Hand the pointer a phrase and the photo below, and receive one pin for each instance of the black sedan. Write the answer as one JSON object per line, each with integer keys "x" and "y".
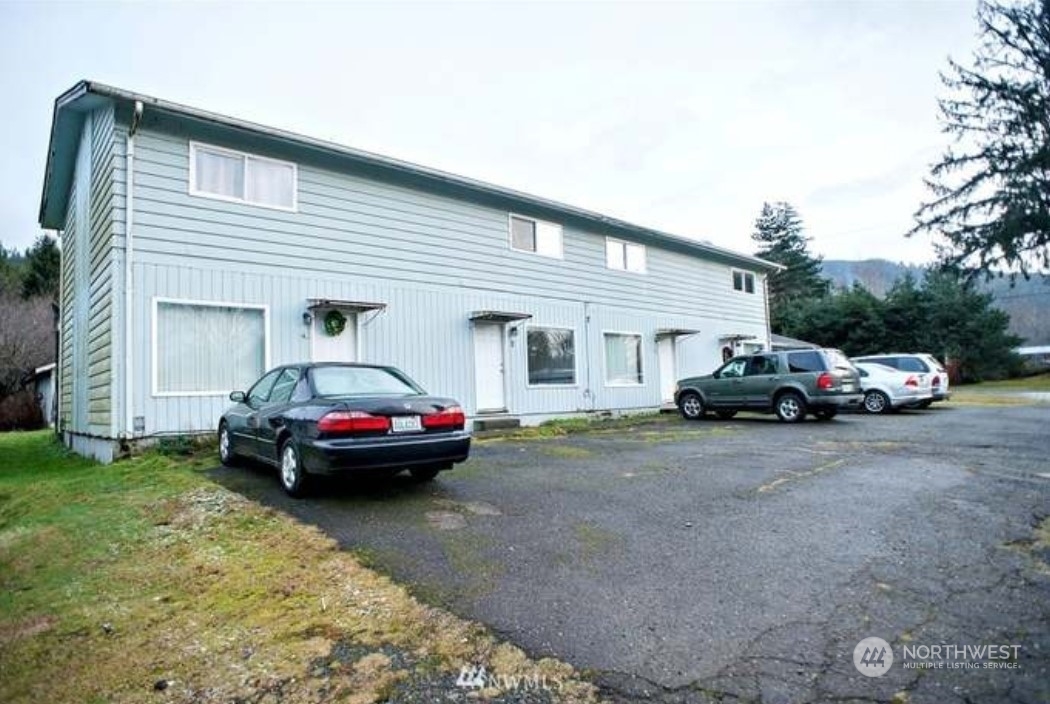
{"x": 308, "y": 419}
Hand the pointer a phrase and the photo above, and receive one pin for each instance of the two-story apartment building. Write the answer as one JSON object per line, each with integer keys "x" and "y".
{"x": 199, "y": 250}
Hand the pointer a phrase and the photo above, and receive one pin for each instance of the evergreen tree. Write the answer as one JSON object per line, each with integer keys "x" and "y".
{"x": 990, "y": 188}
{"x": 10, "y": 270}
{"x": 780, "y": 238}
{"x": 42, "y": 266}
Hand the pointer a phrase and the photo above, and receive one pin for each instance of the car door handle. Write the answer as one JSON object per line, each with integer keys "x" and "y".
{"x": 774, "y": 378}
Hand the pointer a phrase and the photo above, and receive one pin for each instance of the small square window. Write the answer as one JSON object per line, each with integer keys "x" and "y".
{"x": 743, "y": 281}
{"x": 535, "y": 236}
{"x": 624, "y": 256}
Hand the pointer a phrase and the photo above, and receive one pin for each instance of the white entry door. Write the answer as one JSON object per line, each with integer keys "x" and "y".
{"x": 665, "y": 352}
{"x": 488, "y": 367}
{"x": 333, "y": 348}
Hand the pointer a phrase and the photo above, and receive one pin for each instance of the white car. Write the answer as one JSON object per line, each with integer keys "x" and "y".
{"x": 917, "y": 363}
{"x": 887, "y": 389}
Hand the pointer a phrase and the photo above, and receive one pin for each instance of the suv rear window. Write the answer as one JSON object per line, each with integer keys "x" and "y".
{"x": 808, "y": 361}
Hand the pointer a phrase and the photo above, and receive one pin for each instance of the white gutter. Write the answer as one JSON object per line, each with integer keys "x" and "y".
{"x": 129, "y": 220}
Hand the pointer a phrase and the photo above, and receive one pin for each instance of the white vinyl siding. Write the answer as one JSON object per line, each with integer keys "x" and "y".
{"x": 207, "y": 349}
{"x": 235, "y": 176}
{"x": 551, "y": 356}
{"x": 623, "y": 359}
{"x": 536, "y": 236}
{"x": 625, "y": 256}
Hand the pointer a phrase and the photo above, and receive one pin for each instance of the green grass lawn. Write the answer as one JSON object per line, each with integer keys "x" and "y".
{"x": 116, "y": 578}
{"x": 1008, "y": 392}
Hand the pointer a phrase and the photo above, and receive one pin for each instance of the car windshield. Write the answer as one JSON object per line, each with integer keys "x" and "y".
{"x": 361, "y": 381}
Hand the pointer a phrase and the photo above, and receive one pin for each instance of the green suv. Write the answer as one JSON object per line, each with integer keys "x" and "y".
{"x": 790, "y": 384}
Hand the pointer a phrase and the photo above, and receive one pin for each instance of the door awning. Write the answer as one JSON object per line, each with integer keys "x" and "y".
{"x": 497, "y": 316}
{"x": 359, "y": 306}
{"x": 675, "y": 332}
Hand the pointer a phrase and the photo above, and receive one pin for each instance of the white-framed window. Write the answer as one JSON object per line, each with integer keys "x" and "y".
{"x": 205, "y": 348}
{"x": 743, "y": 281}
{"x": 225, "y": 174}
{"x": 536, "y": 236}
{"x": 625, "y": 256}
{"x": 551, "y": 353}
{"x": 623, "y": 359}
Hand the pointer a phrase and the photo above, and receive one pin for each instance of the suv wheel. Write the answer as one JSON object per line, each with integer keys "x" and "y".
{"x": 691, "y": 406}
{"x": 790, "y": 407}
{"x": 876, "y": 402}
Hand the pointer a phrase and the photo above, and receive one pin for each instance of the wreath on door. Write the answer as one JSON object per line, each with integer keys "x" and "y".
{"x": 334, "y": 323}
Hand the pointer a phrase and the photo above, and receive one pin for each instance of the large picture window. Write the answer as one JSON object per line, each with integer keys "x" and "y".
{"x": 623, "y": 359}
{"x": 230, "y": 175}
{"x": 202, "y": 349}
{"x": 552, "y": 356}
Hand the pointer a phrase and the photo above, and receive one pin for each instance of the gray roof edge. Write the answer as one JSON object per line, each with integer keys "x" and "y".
{"x": 416, "y": 170}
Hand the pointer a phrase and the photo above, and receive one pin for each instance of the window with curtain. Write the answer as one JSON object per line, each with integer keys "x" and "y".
{"x": 551, "y": 356}
{"x": 230, "y": 175}
{"x": 204, "y": 349}
{"x": 623, "y": 358}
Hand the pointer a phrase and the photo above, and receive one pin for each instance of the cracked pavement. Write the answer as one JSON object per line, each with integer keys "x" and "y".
{"x": 733, "y": 560}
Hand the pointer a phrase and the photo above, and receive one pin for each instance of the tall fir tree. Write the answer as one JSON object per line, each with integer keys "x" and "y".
{"x": 42, "y": 265}
{"x": 780, "y": 237}
{"x": 989, "y": 189}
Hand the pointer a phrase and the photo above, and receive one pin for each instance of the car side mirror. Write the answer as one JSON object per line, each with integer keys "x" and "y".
{"x": 237, "y": 396}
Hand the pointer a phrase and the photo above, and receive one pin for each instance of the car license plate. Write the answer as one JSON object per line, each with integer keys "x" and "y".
{"x": 405, "y": 424}
{"x": 847, "y": 386}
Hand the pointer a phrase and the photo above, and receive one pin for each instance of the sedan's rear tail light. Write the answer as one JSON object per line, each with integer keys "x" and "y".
{"x": 825, "y": 381}
{"x": 452, "y": 417}
{"x": 911, "y": 381}
{"x": 346, "y": 422}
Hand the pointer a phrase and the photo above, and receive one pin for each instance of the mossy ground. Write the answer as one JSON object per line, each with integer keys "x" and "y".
{"x": 117, "y": 581}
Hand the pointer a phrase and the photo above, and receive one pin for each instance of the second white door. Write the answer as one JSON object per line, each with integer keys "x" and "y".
{"x": 665, "y": 352}
{"x": 488, "y": 367}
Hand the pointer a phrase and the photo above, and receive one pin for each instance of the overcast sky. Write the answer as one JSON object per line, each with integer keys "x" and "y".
{"x": 684, "y": 117}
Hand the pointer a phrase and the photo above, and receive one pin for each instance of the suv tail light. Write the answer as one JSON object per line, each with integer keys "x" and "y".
{"x": 451, "y": 418}
{"x": 912, "y": 381}
{"x": 349, "y": 422}
{"x": 825, "y": 381}
{"x": 936, "y": 380}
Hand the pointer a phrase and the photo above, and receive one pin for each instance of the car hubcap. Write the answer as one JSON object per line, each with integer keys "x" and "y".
{"x": 692, "y": 406}
{"x": 789, "y": 408}
{"x": 289, "y": 467}
{"x": 224, "y": 444}
{"x": 875, "y": 403}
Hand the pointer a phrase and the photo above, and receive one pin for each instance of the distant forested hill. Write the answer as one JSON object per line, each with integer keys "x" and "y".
{"x": 1027, "y": 302}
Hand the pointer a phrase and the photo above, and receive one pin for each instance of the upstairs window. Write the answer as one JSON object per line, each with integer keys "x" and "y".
{"x": 536, "y": 236}
{"x": 743, "y": 281}
{"x": 244, "y": 178}
{"x": 625, "y": 256}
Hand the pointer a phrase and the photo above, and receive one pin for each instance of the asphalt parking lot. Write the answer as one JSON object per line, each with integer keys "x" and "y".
{"x": 740, "y": 559}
